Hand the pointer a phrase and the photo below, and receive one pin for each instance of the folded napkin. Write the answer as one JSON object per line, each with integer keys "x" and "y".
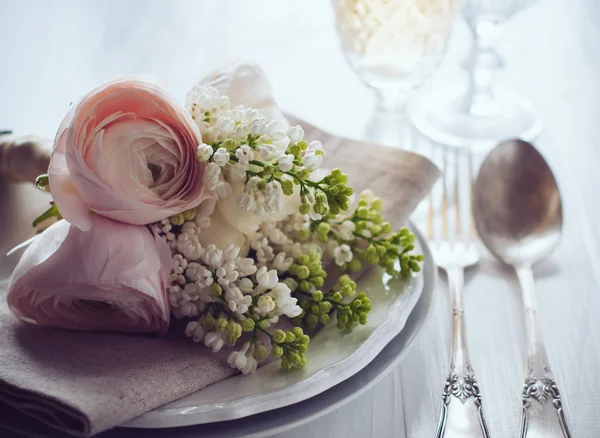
{"x": 56, "y": 382}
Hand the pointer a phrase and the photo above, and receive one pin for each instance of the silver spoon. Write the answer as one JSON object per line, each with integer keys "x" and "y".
{"x": 518, "y": 215}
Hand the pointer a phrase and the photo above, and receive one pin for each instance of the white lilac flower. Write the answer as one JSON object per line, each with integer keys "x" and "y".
{"x": 212, "y": 255}
{"x": 245, "y": 266}
{"x": 221, "y": 157}
{"x": 286, "y": 304}
{"x": 179, "y": 264}
{"x": 204, "y": 152}
{"x": 246, "y": 285}
{"x": 265, "y": 278}
{"x": 246, "y": 202}
{"x": 237, "y": 172}
{"x": 244, "y": 154}
{"x": 315, "y": 146}
{"x": 189, "y": 246}
{"x": 231, "y": 252}
{"x": 267, "y": 151}
{"x": 346, "y": 230}
{"x": 225, "y": 125}
{"x": 223, "y": 190}
{"x": 312, "y": 161}
{"x": 195, "y": 331}
{"x": 295, "y": 133}
{"x": 214, "y": 341}
{"x": 212, "y": 175}
{"x": 241, "y": 131}
{"x": 227, "y": 273}
{"x": 286, "y": 162}
{"x": 236, "y": 301}
{"x": 258, "y": 126}
{"x": 342, "y": 254}
{"x": 281, "y": 263}
{"x": 243, "y": 359}
{"x": 265, "y": 305}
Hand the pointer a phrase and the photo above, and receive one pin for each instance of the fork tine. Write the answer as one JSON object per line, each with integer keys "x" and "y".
{"x": 445, "y": 195}
{"x": 458, "y": 225}
{"x": 472, "y": 229}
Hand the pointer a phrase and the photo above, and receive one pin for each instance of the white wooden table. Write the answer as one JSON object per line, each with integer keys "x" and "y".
{"x": 53, "y": 52}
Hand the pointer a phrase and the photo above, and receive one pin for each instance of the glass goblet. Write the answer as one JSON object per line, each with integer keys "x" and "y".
{"x": 480, "y": 114}
{"x": 393, "y": 45}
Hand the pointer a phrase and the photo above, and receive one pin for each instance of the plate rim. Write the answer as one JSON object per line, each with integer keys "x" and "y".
{"x": 241, "y": 412}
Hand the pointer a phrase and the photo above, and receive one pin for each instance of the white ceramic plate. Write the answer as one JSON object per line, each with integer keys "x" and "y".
{"x": 332, "y": 358}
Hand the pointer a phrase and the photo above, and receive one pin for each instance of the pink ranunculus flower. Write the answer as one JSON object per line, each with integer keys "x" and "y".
{"x": 111, "y": 278}
{"x": 126, "y": 151}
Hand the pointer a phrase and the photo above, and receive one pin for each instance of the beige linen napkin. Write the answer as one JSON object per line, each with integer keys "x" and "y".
{"x": 56, "y": 382}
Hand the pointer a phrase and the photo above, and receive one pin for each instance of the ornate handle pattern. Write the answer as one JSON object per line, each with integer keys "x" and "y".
{"x": 460, "y": 383}
{"x": 540, "y": 387}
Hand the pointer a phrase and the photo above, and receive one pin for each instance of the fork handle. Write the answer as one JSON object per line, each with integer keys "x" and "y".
{"x": 462, "y": 412}
{"x": 541, "y": 398}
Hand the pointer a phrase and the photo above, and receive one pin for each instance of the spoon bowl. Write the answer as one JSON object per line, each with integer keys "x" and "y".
{"x": 517, "y": 204}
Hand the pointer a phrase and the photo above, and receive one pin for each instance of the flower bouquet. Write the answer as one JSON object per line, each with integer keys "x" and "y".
{"x": 220, "y": 220}
{"x": 217, "y": 212}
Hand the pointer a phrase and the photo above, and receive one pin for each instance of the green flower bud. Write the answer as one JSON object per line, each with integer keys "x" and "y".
{"x": 312, "y": 320}
{"x": 304, "y": 208}
{"x": 303, "y": 272}
{"x": 221, "y": 324}
{"x": 304, "y": 259}
{"x": 261, "y": 184}
{"x": 347, "y": 290}
{"x": 355, "y": 265}
{"x": 324, "y": 319}
{"x": 377, "y": 204}
{"x": 228, "y": 144}
{"x": 294, "y": 150}
{"x": 262, "y": 324}
{"x": 314, "y": 267}
{"x": 373, "y": 259}
{"x": 348, "y": 191}
{"x": 276, "y": 351}
{"x": 287, "y": 186}
{"x": 314, "y": 309}
{"x": 304, "y": 285}
{"x": 260, "y": 352}
{"x": 304, "y": 234}
{"x": 248, "y": 325}
{"x": 386, "y": 227}
{"x": 317, "y": 295}
{"x": 278, "y": 336}
{"x": 289, "y": 338}
{"x": 381, "y": 250}
{"x": 362, "y": 212}
{"x": 177, "y": 219}
{"x": 302, "y": 173}
{"x": 298, "y": 332}
{"x": 324, "y": 228}
{"x": 216, "y": 289}
{"x": 324, "y": 307}
{"x": 208, "y": 321}
{"x": 189, "y": 215}
{"x": 337, "y": 297}
{"x": 303, "y": 144}
{"x": 318, "y": 281}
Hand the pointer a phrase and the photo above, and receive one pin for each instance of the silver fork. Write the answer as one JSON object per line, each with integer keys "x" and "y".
{"x": 454, "y": 251}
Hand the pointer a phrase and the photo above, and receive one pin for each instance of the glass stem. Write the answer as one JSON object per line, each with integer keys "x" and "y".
{"x": 482, "y": 65}
{"x": 389, "y": 124}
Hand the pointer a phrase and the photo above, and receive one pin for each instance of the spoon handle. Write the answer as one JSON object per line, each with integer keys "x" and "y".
{"x": 464, "y": 416}
{"x": 540, "y": 387}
